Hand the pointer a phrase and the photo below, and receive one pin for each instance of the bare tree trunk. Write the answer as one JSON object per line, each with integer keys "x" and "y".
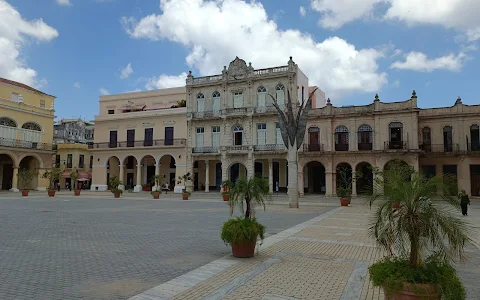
{"x": 247, "y": 212}
{"x": 293, "y": 176}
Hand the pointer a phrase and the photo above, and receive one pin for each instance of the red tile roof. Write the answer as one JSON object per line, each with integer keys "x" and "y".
{"x": 23, "y": 86}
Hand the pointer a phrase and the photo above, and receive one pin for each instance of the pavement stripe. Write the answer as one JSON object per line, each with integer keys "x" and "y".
{"x": 353, "y": 289}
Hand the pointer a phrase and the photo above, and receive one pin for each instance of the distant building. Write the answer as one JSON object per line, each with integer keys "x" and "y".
{"x": 73, "y": 131}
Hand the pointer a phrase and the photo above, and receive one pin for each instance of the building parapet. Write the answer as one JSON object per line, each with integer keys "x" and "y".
{"x": 137, "y": 144}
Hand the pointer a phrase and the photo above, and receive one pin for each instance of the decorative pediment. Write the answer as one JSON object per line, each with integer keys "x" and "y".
{"x": 237, "y": 68}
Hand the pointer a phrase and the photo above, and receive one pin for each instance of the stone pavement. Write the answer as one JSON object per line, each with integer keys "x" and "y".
{"x": 326, "y": 257}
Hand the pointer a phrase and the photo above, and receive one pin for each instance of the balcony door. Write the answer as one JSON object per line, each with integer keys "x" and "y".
{"x": 216, "y": 102}
{"x": 199, "y": 137}
{"x": 216, "y": 136}
{"x": 168, "y": 135}
{"x": 130, "y": 137}
{"x": 313, "y": 138}
{"x": 427, "y": 139}
{"x": 261, "y": 134}
{"x": 447, "y": 139}
{"x": 113, "y": 139}
{"x": 148, "y": 140}
{"x": 396, "y": 135}
{"x": 237, "y": 99}
{"x": 278, "y": 134}
{"x": 238, "y": 135}
{"x": 475, "y": 136}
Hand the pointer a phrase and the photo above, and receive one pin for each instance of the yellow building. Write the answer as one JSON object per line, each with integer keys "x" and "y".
{"x": 74, "y": 157}
{"x": 26, "y": 133}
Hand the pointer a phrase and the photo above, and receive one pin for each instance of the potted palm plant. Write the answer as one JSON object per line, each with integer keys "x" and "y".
{"x": 114, "y": 182}
{"x": 74, "y": 176}
{"x": 183, "y": 180}
{"x": 53, "y": 174}
{"x": 344, "y": 194}
{"x": 25, "y": 177}
{"x": 344, "y": 188}
{"x": 242, "y": 232}
{"x": 157, "y": 186}
{"x": 421, "y": 237}
{"x": 226, "y": 186}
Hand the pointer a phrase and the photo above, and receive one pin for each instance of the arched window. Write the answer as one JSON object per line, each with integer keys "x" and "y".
{"x": 426, "y": 139}
{"x": 237, "y": 135}
{"x": 216, "y": 101}
{"x": 396, "y": 135}
{"x": 32, "y": 126}
{"x": 261, "y": 96}
{"x": 365, "y": 138}
{"x": 4, "y": 121}
{"x": 280, "y": 93}
{"x": 200, "y": 102}
{"x": 341, "y": 138}
{"x": 475, "y": 137}
{"x": 447, "y": 139}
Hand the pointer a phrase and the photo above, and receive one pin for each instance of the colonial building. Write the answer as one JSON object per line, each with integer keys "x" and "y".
{"x": 26, "y": 133}
{"x": 73, "y": 131}
{"x": 74, "y": 157}
{"x": 138, "y": 135}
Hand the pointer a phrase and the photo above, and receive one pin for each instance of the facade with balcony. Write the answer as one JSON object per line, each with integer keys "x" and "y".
{"x": 139, "y": 135}
{"x": 26, "y": 133}
{"x": 73, "y": 131}
{"x": 74, "y": 157}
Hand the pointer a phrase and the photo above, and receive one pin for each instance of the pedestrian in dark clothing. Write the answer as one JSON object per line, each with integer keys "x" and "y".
{"x": 464, "y": 202}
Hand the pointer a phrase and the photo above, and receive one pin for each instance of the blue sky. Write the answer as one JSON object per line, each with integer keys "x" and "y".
{"x": 79, "y": 49}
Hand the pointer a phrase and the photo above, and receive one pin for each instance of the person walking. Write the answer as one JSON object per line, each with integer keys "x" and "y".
{"x": 464, "y": 202}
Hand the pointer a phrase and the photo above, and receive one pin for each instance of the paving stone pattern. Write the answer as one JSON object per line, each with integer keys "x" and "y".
{"x": 78, "y": 248}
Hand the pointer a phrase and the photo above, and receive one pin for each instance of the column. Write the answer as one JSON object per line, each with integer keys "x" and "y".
{"x": 270, "y": 176}
{"x": 138, "y": 187}
{"x": 328, "y": 184}
{"x": 15, "y": 180}
{"x": 207, "y": 176}
{"x": 121, "y": 177}
{"x": 157, "y": 173}
{"x": 250, "y": 165}
{"x": 354, "y": 185}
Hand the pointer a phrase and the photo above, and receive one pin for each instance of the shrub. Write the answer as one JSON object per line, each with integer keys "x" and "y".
{"x": 237, "y": 230}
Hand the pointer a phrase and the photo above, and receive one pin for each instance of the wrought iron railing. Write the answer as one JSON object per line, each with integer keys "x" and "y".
{"x": 207, "y": 149}
{"x": 270, "y": 147}
{"x": 206, "y": 114}
{"x": 238, "y": 148}
{"x": 341, "y": 147}
{"x": 396, "y": 145}
{"x": 25, "y": 144}
{"x": 473, "y": 147}
{"x": 312, "y": 147}
{"x": 144, "y": 143}
{"x": 365, "y": 146}
{"x": 440, "y": 148}
{"x": 235, "y": 111}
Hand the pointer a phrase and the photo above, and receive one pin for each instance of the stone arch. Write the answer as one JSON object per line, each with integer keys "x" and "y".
{"x": 32, "y": 126}
{"x": 168, "y": 168}
{"x": 107, "y": 160}
{"x": 165, "y": 154}
{"x": 8, "y": 162}
{"x": 11, "y": 156}
{"x": 315, "y": 177}
{"x": 31, "y": 162}
{"x": 396, "y": 160}
{"x": 344, "y": 175}
{"x": 235, "y": 171}
{"x": 149, "y": 165}
{"x": 364, "y": 178}
{"x": 41, "y": 166}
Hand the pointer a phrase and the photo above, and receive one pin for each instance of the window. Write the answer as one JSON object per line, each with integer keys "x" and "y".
{"x": 475, "y": 137}
{"x": 15, "y": 97}
{"x": 216, "y": 101}
{"x": 81, "y": 161}
{"x": 69, "y": 161}
{"x": 216, "y": 136}
{"x": 261, "y": 96}
{"x": 111, "y": 111}
{"x": 396, "y": 135}
{"x": 261, "y": 134}
{"x": 4, "y": 121}
{"x": 42, "y": 103}
{"x": 91, "y": 162}
{"x": 278, "y": 134}
{"x": 113, "y": 139}
{"x": 148, "y": 140}
{"x": 169, "y": 135}
{"x": 199, "y": 136}
{"x": 341, "y": 138}
{"x": 32, "y": 126}
{"x": 447, "y": 139}
{"x": 426, "y": 139}
{"x": 130, "y": 137}
{"x": 57, "y": 161}
{"x": 280, "y": 93}
{"x": 237, "y": 99}
{"x": 365, "y": 137}
{"x": 237, "y": 135}
{"x": 200, "y": 102}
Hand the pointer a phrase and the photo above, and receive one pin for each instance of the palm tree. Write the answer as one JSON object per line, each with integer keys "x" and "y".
{"x": 425, "y": 220}
{"x": 253, "y": 191}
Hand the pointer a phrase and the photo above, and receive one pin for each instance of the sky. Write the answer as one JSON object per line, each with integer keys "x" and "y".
{"x": 78, "y": 50}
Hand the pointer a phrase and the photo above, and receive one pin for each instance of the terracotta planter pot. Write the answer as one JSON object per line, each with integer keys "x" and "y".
{"x": 156, "y": 195}
{"x": 25, "y": 193}
{"x": 244, "y": 249}
{"x": 396, "y": 204}
{"x": 184, "y": 196}
{"x": 51, "y": 193}
{"x": 344, "y": 201}
{"x": 416, "y": 292}
{"x": 116, "y": 195}
{"x": 77, "y": 192}
{"x": 226, "y": 197}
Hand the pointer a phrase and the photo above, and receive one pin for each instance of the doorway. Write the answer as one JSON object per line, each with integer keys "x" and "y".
{"x": 475, "y": 179}
{"x": 218, "y": 176}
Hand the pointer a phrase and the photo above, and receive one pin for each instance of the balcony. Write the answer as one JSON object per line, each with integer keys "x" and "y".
{"x": 396, "y": 145}
{"x": 4, "y": 142}
{"x": 267, "y": 110}
{"x": 270, "y": 148}
{"x": 213, "y": 114}
{"x": 312, "y": 147}
{"x": 238, "y": 148}
{"x": 238, "y": 111}
{"x": 473, "y": 147}
{"x": 365, "y": 146}
{"x": 141, "y": 144}
{"x": 341, "y": 147}
{"x": 205, "y": 150}
{"x": 440, "y": 148}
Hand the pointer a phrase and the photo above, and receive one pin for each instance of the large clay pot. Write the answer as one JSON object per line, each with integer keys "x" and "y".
{"x": 25, "y": 193}
{"x": 51, "y": 193}
{"x": 416, "y": 292}
{"x": 396, "y": 204}
{"x": 116, "y": 195}
{"x": 185, "y": 196}
{"x": 226, "y": 197}
{"x": 344, "y": 201}
{"x": 156, "y": 195}
{"x": 244, "y": 249}
{"x": 77, "y": 192}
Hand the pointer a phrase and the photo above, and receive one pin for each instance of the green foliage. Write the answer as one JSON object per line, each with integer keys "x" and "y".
{"x": 182, "y": 103}
{"x": 25, "y": 177}
{"x": 183, "y": 180}
{"x": 157, "y": 181}
{"x": 252, "y": 191}
{"x": 343, "y": 192}
{"x": 237, "y": 230}
{"x": 114, "y": 182}
{"x": 53, "y": 174}
{"x": 392, "y": 273}
{"x": 74, "y": 176}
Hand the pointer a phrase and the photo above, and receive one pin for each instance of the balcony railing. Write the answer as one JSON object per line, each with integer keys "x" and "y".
{"x": 270, "y": 109}
{"x": 365, "y": 146}
{"x": 269, "y": 148}
{"x": 208, "y": 149}
{"x": 206, "y": 114}
{"x": 440, "y": 148}
{"x": 146, "y": 143}
{"x": 312, "y": 147}
{"x": 341, "y": 147}
{"x": 396, "y": 145}
{"x": 4, "y": 142}
{"x": 238, "y": 148}
{"x": 473, "y": 147}
{"x": 238, "y": 111}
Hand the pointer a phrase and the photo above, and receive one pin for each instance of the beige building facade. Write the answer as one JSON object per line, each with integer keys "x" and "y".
{"x": 139, "y": 135}
{"x": 26, "y": 133}
{"x": 74, "y": 157}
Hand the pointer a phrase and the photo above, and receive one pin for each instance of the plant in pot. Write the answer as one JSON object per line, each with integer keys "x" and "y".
{"x": 226, "y": 186}
{"x": 25, "y": 177}
{"x": 242, "y": 232}
{"x": 344, "y": 184}
{"x": 74, "y": 177}
{"x": 183, "y": 180}
{"x": 422, "y": 237}
{"x": 114, "y": 182}
{"x": 344, "y": 194}
{"x": 53, "y": 174}
{"x": 157, "y": 186}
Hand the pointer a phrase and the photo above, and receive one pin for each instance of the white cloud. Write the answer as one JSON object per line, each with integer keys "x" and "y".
{"x": 333, "y": 64}
{"x": 396, "y": 84}
{"x": 76, "y": 85}
{"x": 14, "y": 32}
{"x": 303, "y": 11}
{"x": 64, "y": 2}
{"x": 104, "y": 91}
{"x": 165, "y": 81}
{"x": 127, "y": 71}
{"x": 336, "y": 13}
{"x": 417, "y": 61}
